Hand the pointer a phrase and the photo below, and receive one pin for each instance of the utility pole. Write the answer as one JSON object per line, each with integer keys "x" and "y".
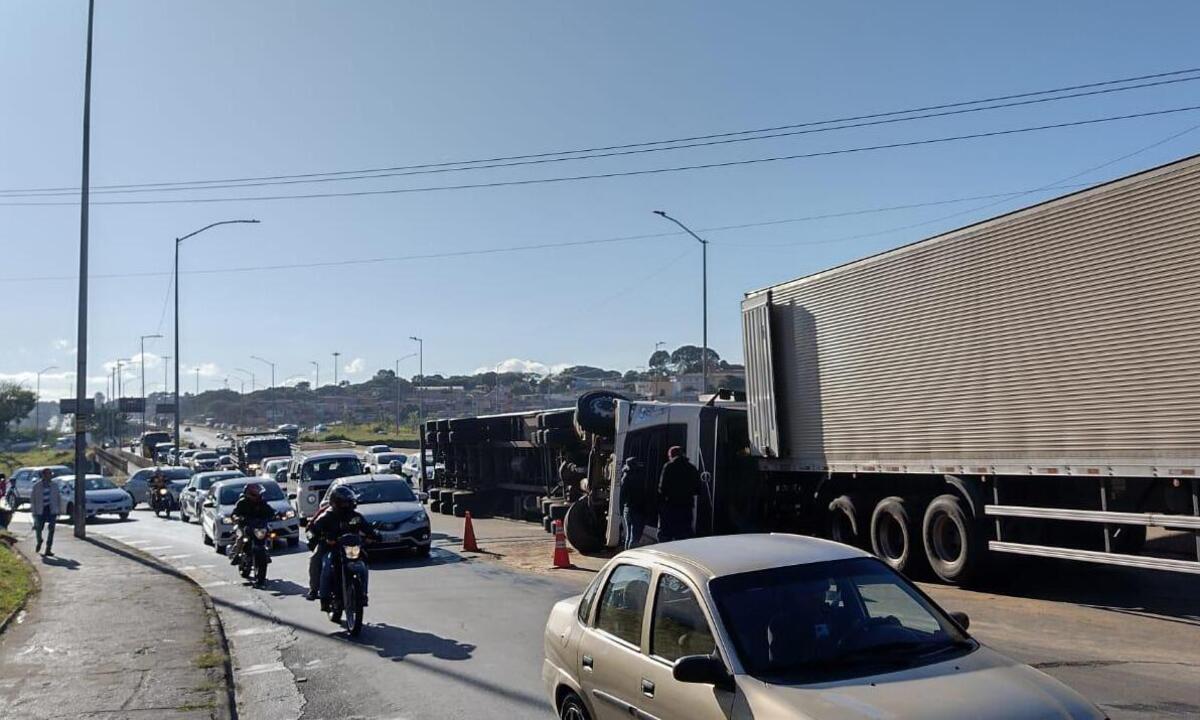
{"x": 142, "y": 362}
{"x": 81, "y": 423}
{"x": 398, "y": 389}
{"x": 197, "y": 382}
{"x": 316, "y": 374}
{"x": 703, "y": 294}
{"x": 335, "y": 363}
{"x": 37, "y": 404}
{"x": 274, "y": 415}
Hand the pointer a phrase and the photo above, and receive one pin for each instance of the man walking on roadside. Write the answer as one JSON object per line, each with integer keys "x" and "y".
{"x": 678, "y": 486}
{"x": 635, "y": 501}
{"x": 5, "y": 503}
{"x": 45, "y": 503}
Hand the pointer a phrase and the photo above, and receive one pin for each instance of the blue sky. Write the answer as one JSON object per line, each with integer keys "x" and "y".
{"x": 203, "y": 90}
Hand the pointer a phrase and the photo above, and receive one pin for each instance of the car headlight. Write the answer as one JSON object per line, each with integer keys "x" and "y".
{"x": 352, "y": 552}
{"x": 420, "y": 517}
{"x": 225, "y": 519}
{"x": 289, "y": 515}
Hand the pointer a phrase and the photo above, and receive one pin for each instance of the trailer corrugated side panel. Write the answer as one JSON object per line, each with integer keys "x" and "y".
{"x": 1066, "y": 333}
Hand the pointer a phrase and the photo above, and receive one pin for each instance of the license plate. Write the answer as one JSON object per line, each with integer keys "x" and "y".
{"x": 391, "y": 536}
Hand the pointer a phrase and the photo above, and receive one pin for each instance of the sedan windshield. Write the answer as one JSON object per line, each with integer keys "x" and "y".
{"x": 98, "y": 484}
{"x": 841, "y": 617}
{"x": 383, "y": 491}
{"x": 230, "y": 494}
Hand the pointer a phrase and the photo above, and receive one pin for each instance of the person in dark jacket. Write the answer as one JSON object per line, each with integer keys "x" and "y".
{"x": 250, "y": 506}
{"x": 341, "y": 518}
{"x": 635, "y": 501}
{"x": 678, "y": 487}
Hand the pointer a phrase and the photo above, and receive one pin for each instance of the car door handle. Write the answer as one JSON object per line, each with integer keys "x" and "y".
{"x": 647, "y": 688}
{"x": 587, "y": 662}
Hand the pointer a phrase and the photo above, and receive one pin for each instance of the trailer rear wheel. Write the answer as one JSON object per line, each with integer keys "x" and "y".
{"x": 951, "y": 539}
{"x": 843, "y": 522}
{"x": 892, "y": 534}
{"x": 582, "y": 527}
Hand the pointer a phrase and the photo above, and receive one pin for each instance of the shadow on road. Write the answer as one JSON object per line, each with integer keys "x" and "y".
{"x": 397, "y": 643}
{"x": 401, "y": 559}
{"x": 1170, "y": 596}
{"x": 284, "y": 588}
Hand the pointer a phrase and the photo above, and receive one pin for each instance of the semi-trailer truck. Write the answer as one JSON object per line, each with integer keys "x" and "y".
{"x": 1027, "y": 385}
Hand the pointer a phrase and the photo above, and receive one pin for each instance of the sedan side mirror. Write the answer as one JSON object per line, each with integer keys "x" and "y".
{"x": 209, "y": 502}
{"x": 702, "y": 670}
{"x": 961, "y": 618}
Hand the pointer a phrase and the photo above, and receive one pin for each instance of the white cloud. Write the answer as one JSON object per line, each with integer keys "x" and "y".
{"x": 295, "y": 379}
{"x": 354, "y": 367}
{"x": 62, "y": 344}
{"x": 517, "y": 365}
{"x": 206, "y": 369}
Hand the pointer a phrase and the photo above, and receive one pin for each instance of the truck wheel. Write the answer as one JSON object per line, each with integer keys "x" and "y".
{"x": 892, "y": 534}
{"x": 583, "y": 527}
{"x": 463, "y": 501}
{"x": 843, "y": 522}
{"x": 951, "y": 539}
{"x": 558, "y": 511}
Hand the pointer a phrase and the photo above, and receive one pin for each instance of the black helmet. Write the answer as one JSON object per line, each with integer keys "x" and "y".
{"x": 342, "y": 498}
{"x": 253, "y": 491}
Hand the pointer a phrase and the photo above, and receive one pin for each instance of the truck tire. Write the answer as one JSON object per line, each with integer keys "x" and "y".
{"x": 952, "y": 539}
{"x": 434, "y": 496}
{"x": 558, "y": 511}
{"x": 557, "y": 437}
{"x": 595, "y": 412}
{"x": 431, "y": 438}
{"x": 893, "y": 534}
{"x": 564, "y": 420}
{"x": 546, "y": 524}
{"x": 446, "y": 504}
{"x": 582, "y": 527}
{"x": 443, "y": 437}
{"x": 465, "y": 424}
{"x": 463, "y": 501}
{"x": 844, "y": 523}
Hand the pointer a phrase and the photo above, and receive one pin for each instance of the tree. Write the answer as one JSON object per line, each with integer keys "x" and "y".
{"x": 687, "y": 359}
{"x": 15, "y": 403}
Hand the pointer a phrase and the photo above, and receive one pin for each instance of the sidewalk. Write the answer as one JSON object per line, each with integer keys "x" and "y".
{"x": 112, "y": 634}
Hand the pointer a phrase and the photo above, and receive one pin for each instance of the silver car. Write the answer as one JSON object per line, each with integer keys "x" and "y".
{"x": 216, "y": 516}
{"x": 138, "y": 484}
{"x": 191, "y": 498}
{"x": 777, "y": 626}
{"x": 23, "y": 478}
{"x": 393, "y": 509}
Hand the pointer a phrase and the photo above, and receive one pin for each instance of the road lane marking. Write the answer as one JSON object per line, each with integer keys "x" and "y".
{"x": 217, "y": 583}
{"x": 195, "y": 567}
{"x": 174, "y": 557}
{"x": 262, "y": 669}
{"x": 157, "y": 547}
{"x": 260, "y": 630}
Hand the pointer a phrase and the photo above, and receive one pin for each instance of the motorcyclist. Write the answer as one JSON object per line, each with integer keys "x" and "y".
{"x": 157, "y": 484}
{"x": 250, "y": 506}
{"x": 341, "y": 518}
{"x": 316, "y": 561}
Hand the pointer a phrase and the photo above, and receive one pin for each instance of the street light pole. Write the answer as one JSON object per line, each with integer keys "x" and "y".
{"x": 335, "y": 357}
{"x": 81, "y": 424}
{"x": 37, "y": 404}
{"x": 197, "y": 369}
{"x": 420, "y": 374}
{"x": 274, "y": 415}
{"x": 142, "y": 362}
{"x": 316, "y": 374}
{"x": 178, "y": 241}
{"x": 398, "y": 389}
{"x": 703, "y": 293}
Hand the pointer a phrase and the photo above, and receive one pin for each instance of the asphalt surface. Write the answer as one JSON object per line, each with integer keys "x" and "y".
{"x": 450, "y": 637}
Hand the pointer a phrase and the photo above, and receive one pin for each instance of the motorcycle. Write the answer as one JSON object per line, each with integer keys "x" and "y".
{"x": 349, "y": 576}
{"x": 162, "y": 502}
{"x": 253, "y": 541}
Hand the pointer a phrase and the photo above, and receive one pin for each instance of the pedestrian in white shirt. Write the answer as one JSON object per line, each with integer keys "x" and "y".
{"x": 45, "y": 503}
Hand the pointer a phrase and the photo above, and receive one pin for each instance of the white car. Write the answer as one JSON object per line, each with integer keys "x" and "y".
{"x": 205, "y": 460}
{"x": 777, "y": 626}
{"x": 102, "y": 495}
{"x": 216, "y": 512}
{"x": 191, "y": 499}
{"x": 385, "y": 462}
{"x": 412, "y": 467}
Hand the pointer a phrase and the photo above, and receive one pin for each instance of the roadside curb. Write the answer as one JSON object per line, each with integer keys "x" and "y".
{"x": 227, "y": 705}
{"x": 37, "y": 587}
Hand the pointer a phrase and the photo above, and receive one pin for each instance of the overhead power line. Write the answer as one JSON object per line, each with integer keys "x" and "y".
{"x": 627, "y": 173}
{"x": 858, "y": 121}
{"x": 537, "y": 246}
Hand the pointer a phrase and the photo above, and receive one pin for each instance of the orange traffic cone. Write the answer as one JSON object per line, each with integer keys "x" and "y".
{"x": 469, "y": 544}
{"x": 562, "y": 557}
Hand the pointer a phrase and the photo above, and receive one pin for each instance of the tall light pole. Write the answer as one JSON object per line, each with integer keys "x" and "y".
{"x": 703, "y": 293}
{"x": 420, "y": 389}
{"x": 197, "y": 370}
{"x": 335, "y": 357}
{"x": 316, "y": 373}
{"x": 166, "y": 378}
{"x": 398, "y": 389}
{"x": 142, "y": 362}
{"x": 37, "y": 403}
{"x": 241, "y": 370}
{"x": 274, "y": 416}
{"x": 178, "y": 242}
{"x": 81, "y": 424}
